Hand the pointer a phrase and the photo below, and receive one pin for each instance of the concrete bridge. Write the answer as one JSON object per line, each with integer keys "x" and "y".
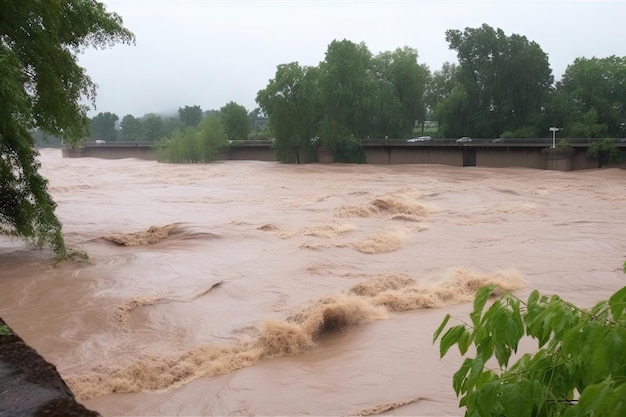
{"x": 528, "y": 153}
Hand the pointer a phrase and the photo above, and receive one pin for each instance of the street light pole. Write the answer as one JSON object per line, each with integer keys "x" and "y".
{"x": 554, "y": 130}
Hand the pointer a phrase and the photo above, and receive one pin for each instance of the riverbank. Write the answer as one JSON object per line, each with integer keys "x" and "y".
{"x": 31, "y": 386}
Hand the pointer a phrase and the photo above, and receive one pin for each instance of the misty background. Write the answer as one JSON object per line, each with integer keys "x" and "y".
{"x": 208, "y": 53}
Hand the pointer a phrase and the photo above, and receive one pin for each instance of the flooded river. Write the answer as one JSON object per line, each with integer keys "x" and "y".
{"x": 256, "y": 288}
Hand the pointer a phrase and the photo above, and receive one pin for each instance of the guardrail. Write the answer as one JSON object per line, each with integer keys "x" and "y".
{"x": 483, "y": 141}
{"x": 402, "y": 142}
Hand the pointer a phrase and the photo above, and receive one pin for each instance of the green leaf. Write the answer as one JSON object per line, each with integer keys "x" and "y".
{"x": 441, "y": 327}
{"x": 5, "y": 330}
{"x": 482, "y": 295}
{"x": 451, "y": 337}
{"x": 613, "y": 345}
{"x": 517, "y": 400}
{"x": 464, "y": 341}
{"x": 618, "y": 403}
{"x": 533, "y": 298}
{"x": 484, "y": 349}
{"x": 486, "y": 398}
{"x": 476, "y": 369}
{"x": 460, "y": 377}
{"x": 592, "y": 397}
{"x": 618, "y": 304}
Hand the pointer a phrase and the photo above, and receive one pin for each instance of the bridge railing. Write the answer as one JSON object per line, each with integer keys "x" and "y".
{"x": 494, "y": 141}
{"x": 396, "y": 142}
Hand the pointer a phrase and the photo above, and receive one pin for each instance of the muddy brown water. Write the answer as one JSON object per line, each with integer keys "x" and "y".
{"x": 256, "y": 288}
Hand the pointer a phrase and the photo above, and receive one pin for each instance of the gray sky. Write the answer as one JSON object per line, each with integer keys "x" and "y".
{"x": 210, "y": 52}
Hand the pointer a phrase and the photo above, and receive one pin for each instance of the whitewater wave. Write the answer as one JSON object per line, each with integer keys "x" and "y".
{"x": 382, "y": 242}
{"x": 400, "y": 205}
{"x": 325, "y": 231}
{"x": 365, "y": 302}
{"x": 156, "y": 234}
{"x": 122, "y": 313}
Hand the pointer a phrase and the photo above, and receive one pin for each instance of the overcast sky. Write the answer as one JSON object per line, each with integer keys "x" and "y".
{"x": 210, "y": 52}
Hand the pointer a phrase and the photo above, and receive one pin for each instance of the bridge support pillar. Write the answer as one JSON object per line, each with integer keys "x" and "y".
{"x": 72, "y": 152}
{"x": 558, "y": 159}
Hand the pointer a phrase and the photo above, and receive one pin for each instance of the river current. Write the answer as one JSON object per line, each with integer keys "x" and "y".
{"x": 262, "y": 289}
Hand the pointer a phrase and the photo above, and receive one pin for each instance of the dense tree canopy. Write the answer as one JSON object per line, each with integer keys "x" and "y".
{"x": 193, "y": 144}
{"x": 351, "y": 94}
{"x": 235, "y": 120}
{"x": 42, "y": 86}
{"x": 593, "y": 96}
{"x": 345, "y": 90}
{"x": 131, "y": 129}
{"x": 399, "y": 101}
{"x": 153, "y": 127}
{"x": 503, "y": 84}
{"x": 290, "y": 99}
{"x": 104, "y": 126}
{"x": 190, "y": 115}
{"x": 440, "y": 85}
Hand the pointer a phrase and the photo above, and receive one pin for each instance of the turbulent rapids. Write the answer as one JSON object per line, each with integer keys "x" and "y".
{"x": 368, "y": 301}
{"x": 250, "y": 288}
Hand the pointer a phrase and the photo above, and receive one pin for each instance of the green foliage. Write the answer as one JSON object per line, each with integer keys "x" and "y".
{"x": 44, "y": 140}
{"x": 26, "y": 207}
{"x": 193, "y": 144}
{"x": 290, "y": 101}
{"x": 103, "y": 126}
{"x": 345, "y": 88}
{"x": 5, "y": 330}
{"x": 587, "y": 126}
{"x": 563, "y": 144}
{"x": 153, "y": 127}
{"x": 349, "y": 150}
{"x": 501, "y": 84}
{"x": 190, "y": 115}
{"x": 594, "y": 93}
{"x": 522, "y": 132}
{"x": 440, "y": 85}
{"x": 42, "y": 86}
{"x": 579, "y": 368}
{"x": 350, "y": 93}
{"x": 236, "y": 121}
{"x": 264, "y": 133}
{"x": 606, "y": 151}
{"x": 131, "y": 129}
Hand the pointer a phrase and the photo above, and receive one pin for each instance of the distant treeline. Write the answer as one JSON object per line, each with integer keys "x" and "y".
{"x": 502, "y": 86}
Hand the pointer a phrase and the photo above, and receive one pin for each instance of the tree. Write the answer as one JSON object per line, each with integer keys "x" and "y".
{"x": 439, "y": 86}
{"x": 399, "y": 92}
{"x": 605, "y": 151}
{"x": 190, "y": 115}
{"x": 345, "y": 87}
{"x": 170, "y": 125}
{"x": 103, "y": 126}
{"x": 42, "y": 86}
{"x": 504, "y": 83}
{"x": 193, "y": 144}
{"x": 257, "y": 121}
{"x": 131, "y": 129}
{"x": 587, "y": 126}
{"x": 349, "y": 96}
{"x": 579, "y": 368}
{"x": 595, "y": 90}
{"x": 235, "y": 120}
{"x": 290, "y": 101}
{"x": 212, "y": 137}
{"x": 153, "y": 127}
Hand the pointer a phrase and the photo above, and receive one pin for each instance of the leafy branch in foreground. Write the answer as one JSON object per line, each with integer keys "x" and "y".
{"x": 42, "y": 86}
{"x": 579, "y": 368}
